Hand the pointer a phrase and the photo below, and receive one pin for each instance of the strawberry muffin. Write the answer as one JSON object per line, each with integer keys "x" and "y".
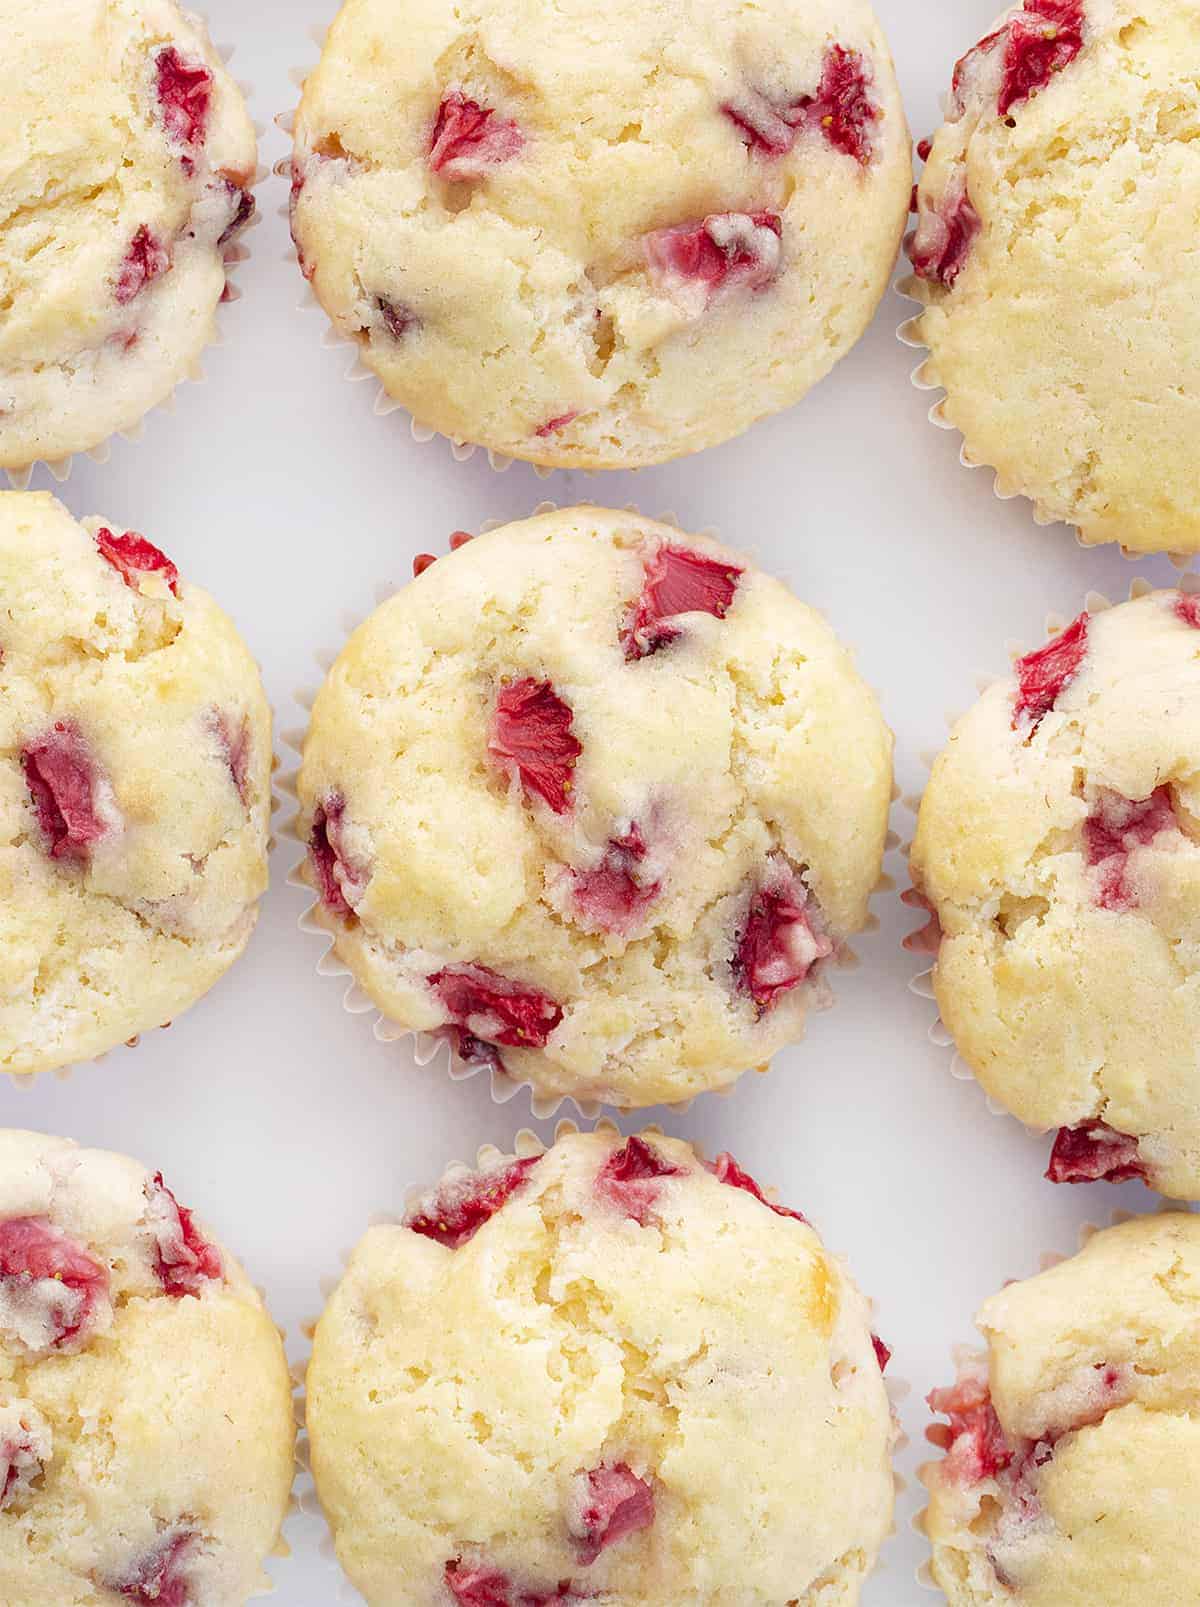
{"x": 1054, "y": 258}
{"x": 146, "y": 1428}
{"x": 1058, "y": 847}
{"x": 135, "y": 766}
{"x": 599, "y": 802}
{"x": 1073, "y": 1446}
{"x": 600, "y": 236}
{"x": 126, "y": 160}
{"x": 608, "y": 1373}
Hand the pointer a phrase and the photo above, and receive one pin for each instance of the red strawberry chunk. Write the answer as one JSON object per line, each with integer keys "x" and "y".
{"x": 1187, "y": 607}
{"x": 132, "y": 556}
{"x": 468, "y": 139}
{"x": 724, "y": 251}
{"x": 728, "y": 1171}
{"x": 559, "y": 422}
{"x": 978, "y": 1447}
{"x": 62, "y": 780}
{"x": 926, "y": 939}
{"x": 1043, "y": 676}
{"x": 235, "y": 742}
{"x": 1115, "y": 830}
{"x": 842, "y": 107}
{"x": 184, "y": 1259}
{"x": 532, "y": 737}
{"x": 631, "y": 1177}
{"x": 607, "y": 1504}
{"x": 615, "y": 895}
{"x": 488, "y": 1587}
{"x": 883, "y": 1354}
{"x": 146, "y": 260}
{"x": 472, "y": 1050}
{"x": 51, "y": 1289}
{"x": 159, "y": 1579}
{"x": 21, "y": 1461}
{"x": 1042, "y": 41}
{"x": 494, "y": 1008}
{"x": 941, "y": 243}
{"x": 778, "y": 945}
{"x": 764, "y": 126}
{"x": 1094, "y": 1153}
{"x": 243, "y": 204}
{"x": 462, "y": 1205}
{"x": 185, "y": 95}
{"x": 677, "y": 581}
{"x": 341, "y": 883}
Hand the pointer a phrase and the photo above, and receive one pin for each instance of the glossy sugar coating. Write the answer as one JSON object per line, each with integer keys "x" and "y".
{"x": 614, "y": 1379}
{"x": 601, "y": 236}
{"x": 1074, "y": 1450}
{"x": 1057, "y": 843}
{"x": 1055, "y": 234}
{"x": 146, "y": 1427}
{"x": 692, "y": 825}
{"x": 135, "y": 764}
{"x": 126, "y": 156}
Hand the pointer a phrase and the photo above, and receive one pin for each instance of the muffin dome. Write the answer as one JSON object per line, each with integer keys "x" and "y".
{"x": 134, "y": 787}
{"x": 600, "y": 802}
{"x": 1054, "y": 251}
{"x": 612, "y": 1374}
{"x": 600, "y": 237}
{"x": 146, "y": 1429}
{"x": 126, "y": 159}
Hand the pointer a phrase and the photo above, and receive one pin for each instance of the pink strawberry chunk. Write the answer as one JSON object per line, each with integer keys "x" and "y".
{"x": 883, "y": 1354}
{"x": 51, "y": 1288}
{"x": 159, "y": 1578}
{"x": 1115, "y": 830}
{"x": 235, "y": 742}
{"x": 778, "y": 946}
{"x": 184, "y": 1259}
{"x": 146, "y": 260}
{"x": 608, "y": 1503}
{"x": 615, "y": 895}
{"x": 1042, "y": 41}
{"x": 1043, "y": 676}
{"x": 559, "y": 422}
{"x": 978, "y": 1448}
{"x": 728, "y": 1171}
{"x": 724, "y": 251}
{"x": 941, "y": 243}
{"x": 488, "y": 1587}
{"x": 494, "y": 1008}
{"x": 185, "y": 95}
{"x": 1095, "y": 1153}
{"x": 61, "y": 775}
{"x": 1187, "y": 607}
{"x": 398, "y": 319}
{"x": 678, "y": 581}
{"x": 841, "y": 109}
{"x": 461, "y": 1206}
{"x": 532, "y": 736}
{"x": 132, "y": 556}
{"x": 244, "y": 206}
{"x": 341, "y": 884}
{"x": 631, "y": 1179}
{"x": 20, "y": 1463}
{"x": 469, "y": 139}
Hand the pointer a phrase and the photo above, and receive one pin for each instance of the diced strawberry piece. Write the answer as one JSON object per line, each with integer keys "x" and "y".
{"x": 21, "y": 1461}
{"x": 728, "y": 1171}
{"x": 307, "y": 267}
{"x": 62, "y": 780}
{"x": 558, "y": 423}
{"x": 1117, "y": 828}
{"x": 488, "y": 1587}
{"x": 926, "y": 939}
{"x": 764, "y": 126}
{"x": 842, "y": 108}
{"x": 468, "y": 139}
{"x": 939, "y": 246}
{"x": 146, "y": 260}
{"x": 883, "y": 1354}
{"x": 968, "y": 69}
{"x": 1041, "y": 42}
{"x": 422, "y": 562}
{"x": 472, "y": 1050}
{"x": 1095, "y": 1153}
{"x": 925, "y": 150}
{"x": 724, "y": 251}
{"x": 607, "y": 1504}
{"x": 184, "y": 1259}
{"x": 1187, "y": 607}
{"x": 614, "y": 896}
{"x": 778, "y": 946}
{"x": 1043, "y": 676}
{"x": 341, "y": 883}
{"x": 631, "y": 1178}
{"x": 234, "y": 739}
{"x": 243, "y": 204}
{"x": 494, "y": 1008}
{"x": 462, "y": 1205}
{"x": 132, "y": 556}
{"x": 978, "y": 1446}
{"x": 398, "y": 319}
{"x": 459, "y": 539}
{"x": 678, "y": 581}
{"x": 50, "y": 1287}
{"x": 159, "y": 1578}
{"x": 185, "y": 95}
{"x": 532, "y": 736}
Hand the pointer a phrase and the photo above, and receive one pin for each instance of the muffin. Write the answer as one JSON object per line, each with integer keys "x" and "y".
{"x": 146, "y": 1428}
{"x": 609, "y": 1373}
{"x": 598, "y": 801}
{"x": 1057, "y": 847}
{"x": 1073, "y": 1447}
{"x": 135, "y": 766}
{"x": 600, "y": 237}
{"x": 1054, "y": 260}
{"x": 126, "y": 159}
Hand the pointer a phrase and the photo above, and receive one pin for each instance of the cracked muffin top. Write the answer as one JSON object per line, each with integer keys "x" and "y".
{"x": 611, "y": 1374}
{"x": 600, "y": 802}
{"x": 1058, "y": 847}
{"x": 146, "y": 1428}
{"x": 126, "y": 156}
{"x": 1073, "y": 1447}
{"x": 605, "y": 236}
{"x": 1054, "y": 253}
{"x": 135, "y": 765}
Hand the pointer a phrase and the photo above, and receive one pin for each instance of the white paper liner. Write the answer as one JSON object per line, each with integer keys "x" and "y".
{"x": 426, "y": 1047}
{"x": 922, "y": 983}
{"x": 235, "y": 253}
{"x": 526, "y": 1143}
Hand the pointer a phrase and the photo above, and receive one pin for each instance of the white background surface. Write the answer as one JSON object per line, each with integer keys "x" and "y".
{"x": 280, "y": 1118}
